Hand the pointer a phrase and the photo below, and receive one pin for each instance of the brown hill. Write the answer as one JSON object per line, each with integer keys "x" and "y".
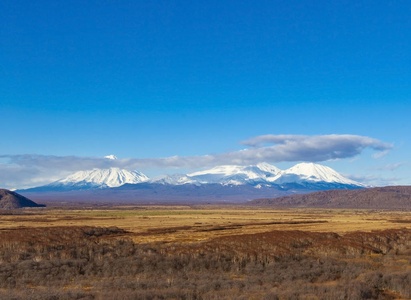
{"x": 12, "y": 200}
{"x": 390, "y": 197}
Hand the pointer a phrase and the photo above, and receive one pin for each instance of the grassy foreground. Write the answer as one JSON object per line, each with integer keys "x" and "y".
{"x": 184, "y": 252}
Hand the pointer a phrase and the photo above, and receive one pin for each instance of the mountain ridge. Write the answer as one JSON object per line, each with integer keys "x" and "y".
{"x": 390, "y": 197}
{"x": 301, "y": 178}
{"x": 13, "y": 200}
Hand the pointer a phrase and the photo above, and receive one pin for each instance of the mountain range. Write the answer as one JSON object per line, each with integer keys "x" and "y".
{"x": 225, "y": 183}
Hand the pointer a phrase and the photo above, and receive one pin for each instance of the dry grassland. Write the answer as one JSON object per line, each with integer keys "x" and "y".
{"x": 199, "y": 223}
{"x": 204, "y": 252}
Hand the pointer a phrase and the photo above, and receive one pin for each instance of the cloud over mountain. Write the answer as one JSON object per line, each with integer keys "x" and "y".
{"x": 313, "y": 148}
{"x": 24, "y": 170}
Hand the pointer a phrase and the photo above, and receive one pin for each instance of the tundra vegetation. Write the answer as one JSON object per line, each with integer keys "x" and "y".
{"x": 204, "y": 253}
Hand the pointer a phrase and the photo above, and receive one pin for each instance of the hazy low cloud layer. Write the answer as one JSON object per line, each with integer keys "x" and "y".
{"x": 29, "y": 170}
{"x": 376, "y": 179}
{"x": 390, "y": 167}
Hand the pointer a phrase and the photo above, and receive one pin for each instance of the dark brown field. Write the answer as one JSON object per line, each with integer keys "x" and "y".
{"x": 204, "y": 253}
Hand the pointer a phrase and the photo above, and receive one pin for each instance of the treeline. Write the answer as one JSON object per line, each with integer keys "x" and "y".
{"x": 104, "y": 263}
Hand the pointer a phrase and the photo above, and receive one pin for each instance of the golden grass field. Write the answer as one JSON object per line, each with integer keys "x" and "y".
{"x": 204, "y": 252}
{"x": 199, "y": 223}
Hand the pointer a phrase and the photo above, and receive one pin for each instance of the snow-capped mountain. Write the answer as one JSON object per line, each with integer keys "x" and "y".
{"x": 111, "y": 156}
{"x": 237, "y": 175}
{"x": 95, "y": 179}
{"x": 112, "y": 177}
{"x": 174, "y": 179}
{"x": 312, "y": 173}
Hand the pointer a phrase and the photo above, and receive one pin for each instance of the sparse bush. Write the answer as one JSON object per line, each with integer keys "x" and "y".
{"x": 101, "y": 263}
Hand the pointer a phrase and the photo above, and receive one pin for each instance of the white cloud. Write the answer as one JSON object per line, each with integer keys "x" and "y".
{"x": 380, "y": 154}
{"x": 390, "y": 167}
{"x": 376, "y": 180}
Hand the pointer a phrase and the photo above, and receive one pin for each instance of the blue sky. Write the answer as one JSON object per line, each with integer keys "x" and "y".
{"x": 156, "y": 79}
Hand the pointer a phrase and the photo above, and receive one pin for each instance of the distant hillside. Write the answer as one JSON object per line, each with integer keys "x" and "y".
{"x": 390, "y": 197}
{"x": 12, "y": 200}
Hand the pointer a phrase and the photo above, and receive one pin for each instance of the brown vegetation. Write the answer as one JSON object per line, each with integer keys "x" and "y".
{"x": 104, "y": 263}
{"x": 391, "y": 197}
{"x": 153, "y": 252}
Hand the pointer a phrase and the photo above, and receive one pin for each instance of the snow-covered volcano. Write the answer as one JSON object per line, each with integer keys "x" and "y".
{"x": 310, "y": 172}
{"x": 237, "y": 175}
{"x": 112, "y": 177}
{"x": 95, "y": 179}
{"x": 174, "y": 179}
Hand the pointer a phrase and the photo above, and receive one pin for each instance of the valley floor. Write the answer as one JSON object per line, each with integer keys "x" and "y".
{"x": 204, "y": 252}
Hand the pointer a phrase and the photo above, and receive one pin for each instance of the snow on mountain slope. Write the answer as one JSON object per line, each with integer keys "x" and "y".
{"x": 236, "y": 175}
{"x": 112, "y": 177}
{"x": 267, "y": 174}
{"x": 174, "y": 179}
{"x": 269, "y": 169}
{"x": 310, "y": 172}
{"x": 111, "y": 156}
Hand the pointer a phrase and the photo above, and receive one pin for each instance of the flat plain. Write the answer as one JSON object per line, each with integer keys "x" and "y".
{"x": 204, "y": 252}
{"x": 195, "y": 223}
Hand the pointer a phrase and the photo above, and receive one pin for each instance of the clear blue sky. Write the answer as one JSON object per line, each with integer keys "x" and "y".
{"x": 148, "y": 79}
